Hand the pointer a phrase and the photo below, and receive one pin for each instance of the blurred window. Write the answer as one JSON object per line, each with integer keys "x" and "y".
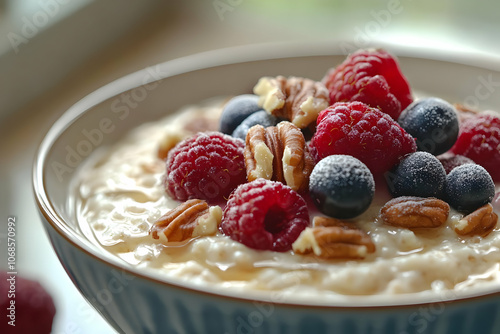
{"x": 22, "y": 20}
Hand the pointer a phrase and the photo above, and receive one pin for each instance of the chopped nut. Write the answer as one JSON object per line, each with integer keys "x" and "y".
{"x": 298, "y": 100}
{"x": 480, "y": 222}
{"x": 258, "y": 155}
{"x": 332, "y": 238}
{"x": 297, "y": 162}
{"x": 170, "y": 139}
{"x": 278, "y": 153}
{"x": 190, "y": 219}
{"x": 415, "y": 212}
{"x": 465, "y": 109}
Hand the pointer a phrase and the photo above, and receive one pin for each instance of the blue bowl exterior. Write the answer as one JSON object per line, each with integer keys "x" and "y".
{"x": 134, "y": 304}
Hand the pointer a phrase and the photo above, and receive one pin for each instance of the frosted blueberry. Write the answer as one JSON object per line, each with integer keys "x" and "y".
{"x": 433, "y": 122}
{"x": 469, "y": 187}
{"x": 419, "y": 174}
{"x": 236, "y": 110}
{"x": 341, "y": 186}
{"x": 261, "y": 117}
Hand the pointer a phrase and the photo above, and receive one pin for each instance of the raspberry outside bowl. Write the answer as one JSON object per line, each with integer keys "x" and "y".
{"x": 139, "y": 301}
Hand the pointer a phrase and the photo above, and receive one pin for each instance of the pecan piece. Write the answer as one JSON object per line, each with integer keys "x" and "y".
{"x": 464, "y": 111}
{"x": 278, "y": 153}
{"x": 258, "y": 155}
{"x": 333, "y": 239}
{"x": 298, "y": 100}
{"x": 415, "y": 212}
{"x": 480, "y": 222}
{"x": 190, "y": 219}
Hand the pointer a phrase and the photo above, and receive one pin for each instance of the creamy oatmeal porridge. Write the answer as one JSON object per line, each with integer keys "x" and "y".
{"x": 120, "y": 194}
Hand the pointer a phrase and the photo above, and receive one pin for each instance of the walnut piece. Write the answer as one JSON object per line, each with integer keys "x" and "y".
{"x": 334, "y": 239}
{"x": 298, "y": 100}
{"x": 480, "y": 222}
{"x": 415, "y": 212}
{"x": 190, "y": 219}
{"x": 278, "y": 153}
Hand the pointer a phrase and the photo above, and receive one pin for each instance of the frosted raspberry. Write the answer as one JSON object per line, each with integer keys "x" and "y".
{"x": 372, "y": 77}
{"x": 366, "y": 133}
{"x": 34, "y": 307}
{"x": 265, "y": 215}
{"x": 479, "y": 140}
{"x": 208, "y": 166}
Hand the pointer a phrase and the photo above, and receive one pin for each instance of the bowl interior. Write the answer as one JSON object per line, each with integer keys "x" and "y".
{"x": 104, "y": 116}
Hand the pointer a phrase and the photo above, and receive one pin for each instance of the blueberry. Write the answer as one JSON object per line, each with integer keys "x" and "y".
{"x": 236, "y": 110}
{"x": 260, "y": 117}
{"x": 433, "y": 122}
{"x": 469, "y": 187}
{"x": 341, "y": 186}
{"x": 419, "y": 174}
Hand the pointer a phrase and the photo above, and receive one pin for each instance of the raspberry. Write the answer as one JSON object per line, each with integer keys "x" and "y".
{"x": 479, "y": 140}
{"x": 372, "y": 77}
{"x": 208, "y": 166}
{"x": 366, "y": 133}
{"x": 265, "y": 215}
{"x": 34, "y": 307}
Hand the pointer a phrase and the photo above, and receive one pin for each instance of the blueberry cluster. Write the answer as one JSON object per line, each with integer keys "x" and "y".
{"x": 342, "y": 188}
{"x": 465, "y": 188}
{"x": 433, "y": 123}
{"x": 241, "y": 113}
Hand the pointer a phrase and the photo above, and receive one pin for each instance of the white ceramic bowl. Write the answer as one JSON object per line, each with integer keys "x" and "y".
{"x": 135, "y": 302}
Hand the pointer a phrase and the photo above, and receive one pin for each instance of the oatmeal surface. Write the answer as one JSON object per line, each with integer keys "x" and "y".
{"x": 119, "y": 194}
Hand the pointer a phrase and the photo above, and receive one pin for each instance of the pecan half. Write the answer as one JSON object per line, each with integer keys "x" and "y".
{"x": 278, "y": 153}
{"x": 480, "y": 222}
{"x": 298, "y": 100}
{"x": 190, "y": 219}
{"x": 415, "y": 212}
{"x": 334, "y": 239}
